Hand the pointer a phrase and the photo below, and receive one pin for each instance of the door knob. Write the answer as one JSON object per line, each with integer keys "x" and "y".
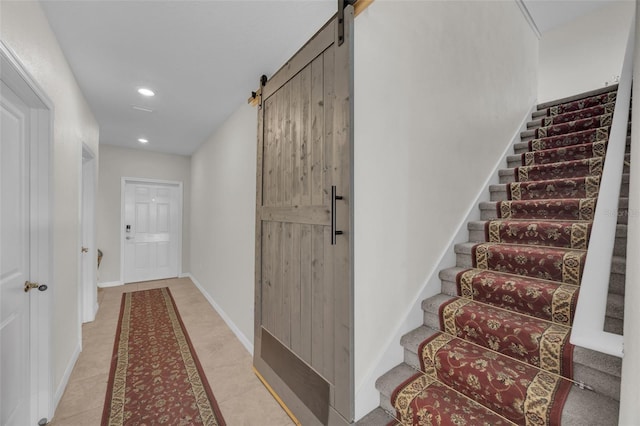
{"x": 29, "y": 286}
{"x": 84, "y": 249}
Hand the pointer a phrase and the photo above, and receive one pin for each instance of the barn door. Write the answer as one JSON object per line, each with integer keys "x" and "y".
{"x": 304, "y": 293}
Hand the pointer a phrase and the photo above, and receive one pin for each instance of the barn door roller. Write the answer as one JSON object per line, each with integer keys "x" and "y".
{"x": 341, "y": 5}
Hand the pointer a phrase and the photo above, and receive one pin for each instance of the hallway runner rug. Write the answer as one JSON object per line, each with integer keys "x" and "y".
{"x": 155, "y": 375}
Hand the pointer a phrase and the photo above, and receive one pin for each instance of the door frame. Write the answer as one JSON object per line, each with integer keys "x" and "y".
{"x": 88, "y": 293}
{"x": 343, "y": 110}
{"x": 159, "y": 182}
{"x": 16, "y": 76}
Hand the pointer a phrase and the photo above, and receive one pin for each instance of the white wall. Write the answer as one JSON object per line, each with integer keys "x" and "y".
{"x": 116, "y": 163}
{"x": 24, "y": 28}
{"x": 223, "y": 178}
{"x": 585, "y": 53}
{"x": 440, "y": 89}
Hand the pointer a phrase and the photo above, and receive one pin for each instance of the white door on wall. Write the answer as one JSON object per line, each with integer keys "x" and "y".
{"x": 14, "y": 260}
{"x": 152, "y": 231}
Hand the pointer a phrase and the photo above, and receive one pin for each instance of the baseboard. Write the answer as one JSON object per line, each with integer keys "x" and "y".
{"x": 367, "y": 398}
{"x": 110, "y": 284}
{"x": 65, "y": 377}
{"x": 248, "y": 344}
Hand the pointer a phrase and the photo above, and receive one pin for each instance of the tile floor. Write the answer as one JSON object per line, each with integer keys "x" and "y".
{"x": 242, "y": 398}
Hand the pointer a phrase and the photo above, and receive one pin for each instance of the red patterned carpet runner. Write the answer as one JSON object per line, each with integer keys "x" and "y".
{"x": 155, "y": 376}
{"x": 502, "y": 355}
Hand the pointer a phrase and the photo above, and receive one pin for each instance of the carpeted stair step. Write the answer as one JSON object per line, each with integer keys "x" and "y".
{"x": 499, "y": 192}
{"x": 594, "y": 111}
{"x": 578, "y": 187}
{"x": 452, "y": 407}
{"x": 573, "y": 126}
{"x": 431, "y": 306}
{"x": 555, "y": 155}
{"x": 526, "y": 393}
{"x": 616, "y": 279}
{"x": 564, "y": 234}
{"x": 547, "y": 300}
{"x": 531, "y": 340}
{"x": 488, "y": 210}
{"x": 577, "y": 411}
{"x": 536, "y": 115}
{"x": 600, "y": 96}
{"x": 564, "y": 169}
{"x": 596, "y": 370}
{"x": 548, "y": 209}
{"x": 477, "y": 233}
{"x": 509, "y": 175}
{"x": 390, "y": 381}
{"x": 591, "y": 368}
{"x": 551, "y": 263}
{"x": 520, "y": 148}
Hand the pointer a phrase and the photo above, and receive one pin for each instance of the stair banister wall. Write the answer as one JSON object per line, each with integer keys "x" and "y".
{"x": 629, "y": 395}
{"x": 588, "y": 325}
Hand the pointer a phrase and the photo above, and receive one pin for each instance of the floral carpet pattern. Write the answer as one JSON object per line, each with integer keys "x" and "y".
{"x": 543, "y": 299}
{"x": 604, "y": 98}
{"x": 502, "y": 354}
{"x": 573, "y": 235}
{"x": 155, "y": 376}
{"x": 579, "y": 114}
{"x": 577, "y": 138}
{"x": 574, "y": 126}
{"x": 572, "y": 152}
{"x": 581, "y": 187}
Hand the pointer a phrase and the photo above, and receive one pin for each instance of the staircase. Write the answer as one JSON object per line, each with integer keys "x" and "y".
{"x": 494, "y": 347}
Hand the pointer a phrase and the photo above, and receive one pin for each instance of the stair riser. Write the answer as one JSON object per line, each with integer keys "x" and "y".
{"x": 619, "y": 249}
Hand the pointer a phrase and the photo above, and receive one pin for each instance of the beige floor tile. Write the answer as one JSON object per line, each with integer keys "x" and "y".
{"x": 246, "y": 410}
{"x": 86, "y": 418}
{"x": 242, "y": 398}
{"x": 82, "y": 395}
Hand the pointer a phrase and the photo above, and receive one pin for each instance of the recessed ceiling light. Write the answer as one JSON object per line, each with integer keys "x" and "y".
{"x": 146, "y": 92}
{"x": 143, "y": 140}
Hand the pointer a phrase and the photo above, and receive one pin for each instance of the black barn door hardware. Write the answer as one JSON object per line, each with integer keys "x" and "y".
{"x": 334, "y": 232}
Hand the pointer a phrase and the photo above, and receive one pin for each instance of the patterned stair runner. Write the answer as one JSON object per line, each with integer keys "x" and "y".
{"x": 502, "y": 354}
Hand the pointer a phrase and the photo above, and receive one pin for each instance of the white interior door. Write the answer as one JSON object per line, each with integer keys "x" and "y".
{"x": 152, "y": 230}
{"x": 89, "y": 252}
{"x": 14, "y": 260}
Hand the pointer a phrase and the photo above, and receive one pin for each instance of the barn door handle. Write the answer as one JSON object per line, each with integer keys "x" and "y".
{"x": 334, "y": 232}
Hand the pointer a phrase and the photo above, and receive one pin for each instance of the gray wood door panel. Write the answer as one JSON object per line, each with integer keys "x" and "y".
{"x": 304, "y": 284}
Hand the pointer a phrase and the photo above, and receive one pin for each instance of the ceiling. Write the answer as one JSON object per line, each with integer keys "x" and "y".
{"x": 202, "y": 58}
